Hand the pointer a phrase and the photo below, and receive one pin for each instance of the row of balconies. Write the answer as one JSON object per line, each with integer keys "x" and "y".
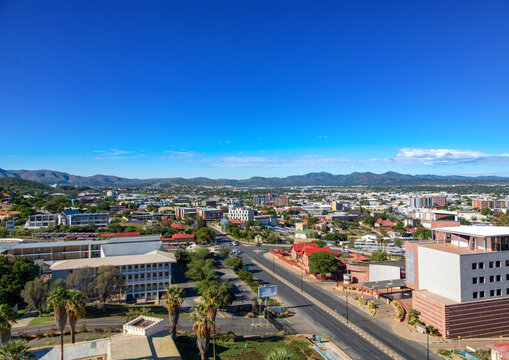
{"x": 137, "y": 281}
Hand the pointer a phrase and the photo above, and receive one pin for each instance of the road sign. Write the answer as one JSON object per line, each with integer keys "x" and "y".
{"x": 267, "y": 291}
{"x": 10, "y": 224}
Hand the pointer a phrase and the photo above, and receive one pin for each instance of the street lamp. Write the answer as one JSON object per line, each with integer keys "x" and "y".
{"x": 347, "y": 305}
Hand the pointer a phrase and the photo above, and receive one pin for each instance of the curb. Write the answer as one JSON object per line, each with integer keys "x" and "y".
{"x": 353, "y": 327}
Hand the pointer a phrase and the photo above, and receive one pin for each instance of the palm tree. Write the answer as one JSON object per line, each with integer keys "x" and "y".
{"x": 15, "y": 350}
{"x": 7, "y": 316}
{"x": 201, "y": 324}
{"x": 279, "y": 354}
{"x": 384, "y": 242}
{"x": 75, "y": 308}
{"x": 173, "y": 300}
{"x": 57, "y": 300}
{"x": 211, "y": 301}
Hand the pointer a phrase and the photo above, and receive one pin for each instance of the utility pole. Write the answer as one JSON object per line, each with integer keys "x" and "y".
{"x": 427, "y": 345}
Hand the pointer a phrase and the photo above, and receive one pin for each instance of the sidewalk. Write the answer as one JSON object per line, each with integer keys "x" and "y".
{"x": 330, "y": 349}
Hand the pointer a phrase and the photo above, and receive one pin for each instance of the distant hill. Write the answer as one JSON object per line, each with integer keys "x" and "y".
{"x": 10, "y": 184}
{"x": 50, "y": 177}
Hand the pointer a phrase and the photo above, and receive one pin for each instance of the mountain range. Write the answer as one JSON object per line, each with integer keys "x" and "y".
{"x": 51, "y": 177}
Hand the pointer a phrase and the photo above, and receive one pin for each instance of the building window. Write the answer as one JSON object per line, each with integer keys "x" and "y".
{"x": 492, "y": 278}
{"x": 481, "y": 294}
{"x": 492, "y": 292}
{"x": 507, "y": 291}
{"x": 481, "y": 265}
{"x": 481, "y": 280}
{"x": 499, "y": 292}
{"x": 507, "y": 263}
{"x": 474, "y": 280}
{"x": 498, "y": 278}
{"x": 475, "y": 295}
{"x": 491, "y": 263}
{"x": 474, "y": 266}
{"x": 497, "y": 263}
{"x": 507, "y": 277}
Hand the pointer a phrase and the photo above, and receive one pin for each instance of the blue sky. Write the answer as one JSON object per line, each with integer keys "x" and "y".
{"x": 242, "y": 88}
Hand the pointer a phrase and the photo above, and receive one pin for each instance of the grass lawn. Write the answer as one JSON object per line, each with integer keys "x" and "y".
{"x": 111, "y": 310}
{"x": 250, "y": 348}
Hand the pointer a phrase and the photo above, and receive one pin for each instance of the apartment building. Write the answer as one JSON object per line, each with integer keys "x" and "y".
{"x": 490, "y": 204}
{"x": 461, "y": 280}
{"x": 281, "y": 201}
{"x": 241, "y": 213}
{"x": 210, "y": 214}
{"x": 182, "y": 212}
{"x": 76, "y": 218}
{"x": 259, "y": 200}
{"x": 41, "y": 221}
{"x": 266, "y": 220}
{"x": 146, "y": 276}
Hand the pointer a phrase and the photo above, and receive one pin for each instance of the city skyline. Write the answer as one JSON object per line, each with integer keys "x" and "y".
{"x": 234, "y": 90}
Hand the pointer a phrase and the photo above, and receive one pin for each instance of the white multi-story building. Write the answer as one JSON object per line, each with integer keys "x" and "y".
{"x": 146, "y": 276}
{"x": 461, "y": 280}
{"x": 41, "y": 221}
{"x": 241, "y": 213}
{"x": 76, "y": 218}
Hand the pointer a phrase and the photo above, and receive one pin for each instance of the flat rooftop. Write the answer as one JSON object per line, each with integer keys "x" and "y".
{"x": 156, "y": 256}
{"x": 479, "y": 231}
{"x": 448, "y": 247}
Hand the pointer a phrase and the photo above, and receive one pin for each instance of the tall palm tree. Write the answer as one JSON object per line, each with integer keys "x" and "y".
{"x": 7, "y": 316}
{"x": 211, "y": 300}
{"x": 384, "y": 242}
{"x": 15, "y": 350}
{"x": 75, "y": 308}
{"x": 173, "y": 300}
{"x": 57, "y": 300}
{"x": 201, "y": 324}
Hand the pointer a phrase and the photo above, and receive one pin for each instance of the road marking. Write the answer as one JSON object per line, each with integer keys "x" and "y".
{"x": 338, "y": 317}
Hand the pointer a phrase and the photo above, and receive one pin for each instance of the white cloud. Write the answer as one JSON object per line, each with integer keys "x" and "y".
{"x": 444, "y": 156}
{"x": 181, "y": 154}
{"x": 116, "y": 154}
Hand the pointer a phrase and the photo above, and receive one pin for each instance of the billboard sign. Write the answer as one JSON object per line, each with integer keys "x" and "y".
{"x": 267, "y": 291}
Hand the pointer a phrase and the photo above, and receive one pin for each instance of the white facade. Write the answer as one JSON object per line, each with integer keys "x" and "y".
{"x": 378, "y": 272}
{"x": 241, "y": 213}
{"x": 41, "y": 221}
{"x": 72, "y": 218}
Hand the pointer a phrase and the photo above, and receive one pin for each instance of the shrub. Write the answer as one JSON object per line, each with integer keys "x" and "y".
{"x": 233, "y": 262}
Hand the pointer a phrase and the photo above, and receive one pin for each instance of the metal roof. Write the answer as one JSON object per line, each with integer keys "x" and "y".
{"x": 384, "y": 284}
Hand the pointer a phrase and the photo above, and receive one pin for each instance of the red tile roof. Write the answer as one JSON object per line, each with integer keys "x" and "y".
{"x": 309, "y": 251}
{"x": 501, "y": 348}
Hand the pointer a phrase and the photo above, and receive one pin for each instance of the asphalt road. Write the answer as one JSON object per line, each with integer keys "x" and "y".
{"x": 351, "y": 342}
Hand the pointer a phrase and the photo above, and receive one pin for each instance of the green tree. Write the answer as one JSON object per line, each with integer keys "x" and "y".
{"x": 201, "y": 269}
{"x": 322, "y": 263}
{"x": 35, "y": 294}
{"x": 486, "y": 211}
{"x": 15, "y": 350}
{"x": 397, "y": 242}
{"x": 422, "y": 233}
{"x": 311, "y": 221}
{"x": 81, "y": 279}
{"x": 57, "y": 301}
{"x": 320, "y": 243}
{"x": 369, "y": 221}
{"x": 234, "y": 262}
{"x": 205, "y": 235}
{"x": 75, "y": 308}
{"x": 351, "y": 244}
{"x": 379, "y": 256}
{"x": 173, "y": 300}
{"x": 107, "y": 283}
{"x": 13, "y": 277}
{"x": 7, "y": 316}
{"x": 202, "y": 325}
{"x": 223, "y": 253}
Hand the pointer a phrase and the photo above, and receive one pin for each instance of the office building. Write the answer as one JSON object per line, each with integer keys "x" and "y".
{"x": 182, "y": 212}
{"x": 241, "y": 213}
{"x": 146, "y": 276}
{"x": 210, "y": 214}
{"x": 76, "y": 218}
{"x": 282, "y": 201}
{"x": 41, "y": 221}
{"x": 461, "y": 280}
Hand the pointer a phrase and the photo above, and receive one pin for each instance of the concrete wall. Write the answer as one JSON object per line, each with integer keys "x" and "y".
{"x": 383, "y": 272}
{"x": 467, "y": 274}
{"x": 439, "y": 273}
